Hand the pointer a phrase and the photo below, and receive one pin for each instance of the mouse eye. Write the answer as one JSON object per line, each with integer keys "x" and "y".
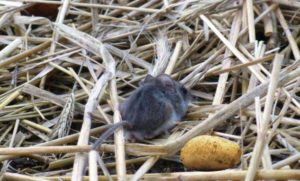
{"x": 183, "y": 90}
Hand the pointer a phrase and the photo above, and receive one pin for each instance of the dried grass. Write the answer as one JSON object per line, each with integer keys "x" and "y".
{"x": 240, "y": 58}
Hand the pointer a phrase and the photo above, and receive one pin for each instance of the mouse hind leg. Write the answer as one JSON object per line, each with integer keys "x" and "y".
{"x": 135, "y": 135}
{"x": 171, "y": 120}
{"x": 165, "y": 128}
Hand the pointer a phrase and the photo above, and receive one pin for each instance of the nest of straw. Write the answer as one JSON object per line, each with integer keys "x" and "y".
{"x": 66, "y": 65}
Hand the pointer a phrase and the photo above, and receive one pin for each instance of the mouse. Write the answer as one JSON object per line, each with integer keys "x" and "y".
{"x": 152, "y": 109}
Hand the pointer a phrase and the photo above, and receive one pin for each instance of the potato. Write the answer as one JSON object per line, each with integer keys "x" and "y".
{"x": 210, "y": 153}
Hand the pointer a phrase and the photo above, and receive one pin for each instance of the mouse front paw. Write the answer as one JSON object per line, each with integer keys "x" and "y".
{"x": 166, "y": 132}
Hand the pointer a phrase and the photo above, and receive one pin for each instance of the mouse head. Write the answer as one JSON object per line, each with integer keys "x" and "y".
{"x": 167, "y": 83}
{"x": 163, "y": 80}
{"x": 186, "y": 94}
{"x": 174, "y": 87}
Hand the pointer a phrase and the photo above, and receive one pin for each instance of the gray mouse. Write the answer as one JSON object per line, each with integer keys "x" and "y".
{"x": 152, "y": 109}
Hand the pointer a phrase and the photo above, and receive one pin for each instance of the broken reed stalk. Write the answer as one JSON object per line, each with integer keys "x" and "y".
{"x": 93, "y": 169}
{"x": 103, "y": 167}
{"x": 95, "y": 17}
{"x": 19, "y": 57}
{"x": 235, "y": 28}
{"x": 5, "y": 163}
{"x": 59, "y": 20}
{"x": 261, "y": 138}
{"x": 44, "y": 150}
{"x": 240, "y": 66}
{"x": 60, "y": 141}
{"x": 283, "y": 111}
{"x": 30, "y": 52}
{"x": 9, "y": 99}
{"x": 37, "y": 126}
{"x": 254, "y": 69}
{"x": 144, "y": 168}
{"x": 174, "y": 57}
{"x": 259, "y": 18}
{"x": 267, "y": 20}
{"x": 250, "y": 18}
{"x": 233, "y": 49}
{"x": 127, "y": 8}
{"x": 119, "y": 138}
{"x": 10, "y": 48}
{"x": 203, "y": 65}
{"x": 286, "y": 161}
{"x": 188, "y": 176}
{"x": 288, "y": 34}
{"x": 78, "y": 168}
{"x": 79, "y": 162}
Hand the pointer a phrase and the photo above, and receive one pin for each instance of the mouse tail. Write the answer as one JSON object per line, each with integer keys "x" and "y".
{"x": 108, "y": 133}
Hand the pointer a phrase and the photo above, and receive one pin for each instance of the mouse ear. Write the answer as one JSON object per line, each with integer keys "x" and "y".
{"x": 167, "y": 82}
{"x": 148, "y": 78}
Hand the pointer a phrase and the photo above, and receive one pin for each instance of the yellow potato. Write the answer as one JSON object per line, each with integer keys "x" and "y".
{"x": 210, "y": 153}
